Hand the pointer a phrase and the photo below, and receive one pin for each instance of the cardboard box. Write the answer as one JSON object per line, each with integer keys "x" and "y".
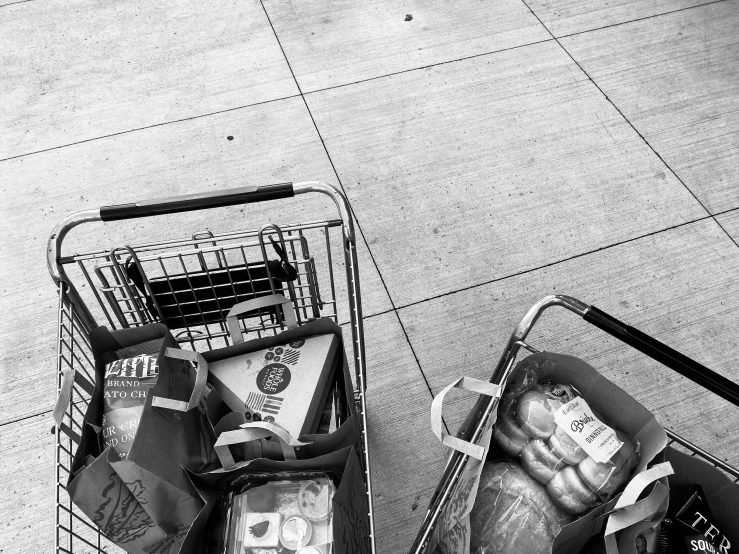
{"x": 286, "y": 384}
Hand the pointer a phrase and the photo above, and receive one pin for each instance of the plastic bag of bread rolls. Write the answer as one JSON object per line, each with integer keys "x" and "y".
{"x": 526, "y": 430}
{"x": 513, "y": 513}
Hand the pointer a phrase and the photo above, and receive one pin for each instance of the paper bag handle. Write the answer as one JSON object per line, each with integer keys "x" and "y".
{"x": 201, "y": 375}
{"x": 469, "y": 384}
{"x": 232, "y": 319}
{"x": 254, "y": 431}
{"x": 68, "y": 378}
{"x": 628, "y": 513}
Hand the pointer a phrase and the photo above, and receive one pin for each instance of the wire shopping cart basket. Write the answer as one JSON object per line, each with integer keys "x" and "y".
{"x": 190, "y": 284}
{"x": 472, "y": 429}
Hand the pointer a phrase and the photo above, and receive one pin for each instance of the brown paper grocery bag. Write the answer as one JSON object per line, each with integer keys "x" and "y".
{"x": 147, "y": 502}
{"x": 620, "y": 409}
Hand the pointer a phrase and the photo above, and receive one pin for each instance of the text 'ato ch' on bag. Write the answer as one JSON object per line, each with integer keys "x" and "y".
{"x": 131, "y": 477}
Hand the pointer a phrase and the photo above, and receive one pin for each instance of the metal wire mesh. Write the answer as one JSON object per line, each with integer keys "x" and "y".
{"x": 221, "y": 266}
{"x": 74, "y": 531}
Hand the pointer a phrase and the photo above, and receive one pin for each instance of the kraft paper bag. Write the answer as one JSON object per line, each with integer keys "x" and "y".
{"x": 146, "y": 501}
{"x": 452, "y": 533}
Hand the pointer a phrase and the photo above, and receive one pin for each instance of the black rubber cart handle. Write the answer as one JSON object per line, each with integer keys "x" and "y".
{"x": 197, "y": 201}
{"x": 673, "y": 359}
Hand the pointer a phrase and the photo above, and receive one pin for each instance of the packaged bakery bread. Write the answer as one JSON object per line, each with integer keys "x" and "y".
{"x": 513, "y": 514}
{"x": 501, "y": 519}
{"x": 563, "y": 442}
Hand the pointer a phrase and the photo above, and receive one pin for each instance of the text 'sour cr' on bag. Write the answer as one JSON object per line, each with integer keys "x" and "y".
{"x": 131, "y": 478}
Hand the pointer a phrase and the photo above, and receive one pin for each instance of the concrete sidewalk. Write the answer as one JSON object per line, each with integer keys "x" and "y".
{"x": 492, "y": 153}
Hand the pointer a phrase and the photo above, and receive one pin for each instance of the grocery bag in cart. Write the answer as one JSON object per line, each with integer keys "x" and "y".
{"x": 125, "y": 287}
{"x": 716, "y": 522}
{"x": 292, "y": 378}
{"x": 333, "y": 518}
{"x": 628, "y": 522}
{"x": 129, "y": 473}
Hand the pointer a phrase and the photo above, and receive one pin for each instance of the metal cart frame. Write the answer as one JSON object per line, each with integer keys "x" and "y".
{"x": 475, "y": 423}
{"x": 103, "y": 291}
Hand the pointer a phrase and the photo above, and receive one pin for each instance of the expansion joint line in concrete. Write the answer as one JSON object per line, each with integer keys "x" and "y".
{"x": 626, "y": 119}
{"x": 351, "y": 208}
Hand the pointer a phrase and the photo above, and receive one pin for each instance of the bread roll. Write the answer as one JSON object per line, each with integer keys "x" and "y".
{"x": 513, "y": 513}
{"x": 565, "y": 447}
{"x": 569, "y": 492}
{"x": 540, "y": 462}
{"x": 536, "y": 407}
{"x": 606, "y": 478}
{"x": 507, "y": 432}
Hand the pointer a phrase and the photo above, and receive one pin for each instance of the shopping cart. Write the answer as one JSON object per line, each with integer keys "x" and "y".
{"x": 473, "y": 427}
{"x": 191, "y": 284}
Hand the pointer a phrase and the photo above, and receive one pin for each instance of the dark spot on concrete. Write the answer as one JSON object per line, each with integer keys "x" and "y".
{"x": 660, "y": 175}
{"x": 414, "y": 506}
{"x": 408, "y": 17}
{"x": 229, "y": 137}
{"x": 435, "y": 230}
{"x": 623, "y": 304}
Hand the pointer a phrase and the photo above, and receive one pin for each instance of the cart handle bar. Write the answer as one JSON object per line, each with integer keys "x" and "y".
{"x": 196, "y": 201}
{"x": 673, "y": 359}
{"x": 191, "y": 202}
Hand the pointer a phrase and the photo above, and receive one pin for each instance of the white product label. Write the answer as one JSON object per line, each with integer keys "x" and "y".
{"x": 596, "y": 438}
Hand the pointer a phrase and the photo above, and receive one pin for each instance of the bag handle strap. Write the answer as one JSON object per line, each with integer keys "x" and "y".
{"x": 232, "y": 319}
{"x": 469, "y": 384}
{"x": 629, "y": 511}
{"x": 254, "y": 431}
{"x": 201, "y": 368}
{"x": 68, "y": 379}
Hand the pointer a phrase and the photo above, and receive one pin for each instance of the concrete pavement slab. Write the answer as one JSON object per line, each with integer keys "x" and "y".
{"x": 565, "y": 17}
{"x": 730, "y": 222}
{"x": 407, "y": 460}
{"x": 675, "y": 78}
{"x": 331, "y": 43}
{"x": 78, "y": 70}
{"x": 475, "y": 170}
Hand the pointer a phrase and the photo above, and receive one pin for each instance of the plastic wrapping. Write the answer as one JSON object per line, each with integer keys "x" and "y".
{"x": 275, "y": 514}
{"x": 513, "y": 513}
{"x": 546, "y": 449}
